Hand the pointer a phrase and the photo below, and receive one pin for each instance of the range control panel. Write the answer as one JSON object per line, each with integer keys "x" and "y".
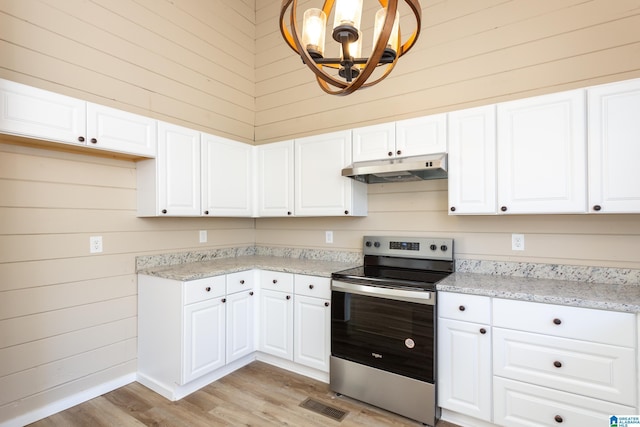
{"x": 409, "y": 247}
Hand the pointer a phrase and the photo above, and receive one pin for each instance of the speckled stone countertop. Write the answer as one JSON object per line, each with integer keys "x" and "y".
{"x": 322, "y": 267}
{"x": 614, "y": 297}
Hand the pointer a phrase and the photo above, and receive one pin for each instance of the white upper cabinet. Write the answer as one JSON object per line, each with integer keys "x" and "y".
{"x": 405, "y": 138}
{"x": 227, "y": 168}
{"x": 422, "y": 135}
{"x": 542, "y": 154}
{"x": 472, "y": 161}
{"x": 320, "y": 188}
{"x": 374, "y": 142}
{"x": 170, "y": 184}
{"x": 40, "y": 114}
{"x": 275, "y": 175}
{"x": 117, "y": 130}
{"x": 614, "y": 147}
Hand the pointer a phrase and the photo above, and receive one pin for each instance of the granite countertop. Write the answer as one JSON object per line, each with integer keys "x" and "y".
{"x": 614, "y": 297}
{"x": 216, "y": 267}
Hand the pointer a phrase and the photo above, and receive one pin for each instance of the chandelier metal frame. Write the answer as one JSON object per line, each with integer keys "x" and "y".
{"x": 345, "y": 64}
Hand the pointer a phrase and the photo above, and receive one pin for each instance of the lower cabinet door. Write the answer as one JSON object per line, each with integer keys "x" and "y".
{"x": 312, "y": 343}
{"x": 464, "y": 367}
{"x": 519, "y": 404}
{"x": 204, "y": 338}
{"x": 240, "y": 319}
{"x": 276, "y": 323}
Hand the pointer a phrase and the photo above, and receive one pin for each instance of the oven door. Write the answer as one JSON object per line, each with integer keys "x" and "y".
{"x": 385, "y": 328}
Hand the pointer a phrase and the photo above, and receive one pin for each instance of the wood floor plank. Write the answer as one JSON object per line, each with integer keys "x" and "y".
{"x": 257, "y": 395}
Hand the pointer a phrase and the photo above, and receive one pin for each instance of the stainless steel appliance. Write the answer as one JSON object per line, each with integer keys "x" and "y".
{"x": 383, "y": 325}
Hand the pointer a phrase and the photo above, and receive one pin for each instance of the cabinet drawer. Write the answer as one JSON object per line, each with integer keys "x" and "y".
{"x": 203, "y": 289}
{"x": 591, "y": 369}
{"x": 568, "y": 322}
{"x": 468, "y": 308}
{"x": 519, "y": 404}
{"x": 276, "y": 281}
{"x": 240, "y": 281}
{"x": 313, "y": 286}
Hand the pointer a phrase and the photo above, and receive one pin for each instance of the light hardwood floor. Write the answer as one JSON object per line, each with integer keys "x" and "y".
{"x": 256, "y": 395}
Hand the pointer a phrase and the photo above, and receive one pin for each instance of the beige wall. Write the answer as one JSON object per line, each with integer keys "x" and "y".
{"x": 67, "y": 318}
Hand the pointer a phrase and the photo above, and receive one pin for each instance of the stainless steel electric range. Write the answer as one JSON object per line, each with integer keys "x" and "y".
{"x": 383, "y": 325}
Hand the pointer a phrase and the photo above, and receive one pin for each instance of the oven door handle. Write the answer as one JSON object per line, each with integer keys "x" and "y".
{"x": 420, "y": 297}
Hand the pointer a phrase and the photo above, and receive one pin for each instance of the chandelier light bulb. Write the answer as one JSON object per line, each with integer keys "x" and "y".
{"x": 314, "y": 25}
{"x": 394, "y": 38}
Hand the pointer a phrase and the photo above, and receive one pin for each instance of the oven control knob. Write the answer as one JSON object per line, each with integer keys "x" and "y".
{"x": 444, "y": 248}
{"x": 376, "y": 244}
{"x": 433, "y": 247}
{"x": 368, "y": 244}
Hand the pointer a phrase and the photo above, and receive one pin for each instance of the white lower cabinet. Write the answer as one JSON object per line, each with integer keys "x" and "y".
{"x": 464, "y": 354}
{"x": 204, "y": 331}
{"x": 276, "y": 314}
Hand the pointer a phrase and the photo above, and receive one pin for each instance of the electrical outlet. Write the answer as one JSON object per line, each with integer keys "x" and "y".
{"x": 95, "y": 244}
{"x": 517, "y": 242}
{"x": 328, "y": 236}
{"x": 203, "y": 236}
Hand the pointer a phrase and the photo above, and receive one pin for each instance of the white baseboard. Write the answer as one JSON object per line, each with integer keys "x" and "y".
{"x": 69, "y": 401}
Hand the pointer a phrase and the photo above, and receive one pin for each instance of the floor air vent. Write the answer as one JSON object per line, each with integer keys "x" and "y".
{"x": 323, "y": 409}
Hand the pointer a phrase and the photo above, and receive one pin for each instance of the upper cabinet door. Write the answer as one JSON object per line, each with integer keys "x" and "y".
{"x": 227, "y": 171}
{"x": 275, "y": 179}
{"x": 117, "y": 130}
{"x": 422, "y": 135}
{"x": 472, "y": 161}
{"x": 374, "y": 142}
{"x": 320, "y": 188}
{"x": 178, "y": 170}
{"x": 614, "y": 147}
{"x": 542, "y": 154}
{"x": 37, "y": 113}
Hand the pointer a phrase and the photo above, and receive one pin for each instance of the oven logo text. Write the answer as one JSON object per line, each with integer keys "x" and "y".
{"x": 376, "y": 355}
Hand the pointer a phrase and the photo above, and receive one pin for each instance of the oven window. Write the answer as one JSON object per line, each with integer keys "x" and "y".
{"x": 394, "y": 336}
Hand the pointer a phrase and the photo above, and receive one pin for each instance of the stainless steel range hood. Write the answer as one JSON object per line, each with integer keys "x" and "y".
{"x": 416, "y": 168}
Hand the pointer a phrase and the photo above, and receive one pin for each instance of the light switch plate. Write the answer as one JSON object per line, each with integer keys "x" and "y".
{"x": 328, "y": 236}
{"x": 203, "y": 236}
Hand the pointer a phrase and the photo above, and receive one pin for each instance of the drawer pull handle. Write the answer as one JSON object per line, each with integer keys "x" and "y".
{"x": 275, "y": 281}
{"x": 326, "y": 304}
{"x": 483, "y": 331}
{"x": 208, "y": 289}
{"x": 310, "y": 286}
{"x": 558, "y": 419}
{"x": 557, "y": 321}
{"x": 557, "y": 364}
{"x": 462, "y": 308}
{"x": 242, "y": 282}
{"x": 288, "y": 296}
{"x": 251, "y": 293}
{"x": 224, "y": 300}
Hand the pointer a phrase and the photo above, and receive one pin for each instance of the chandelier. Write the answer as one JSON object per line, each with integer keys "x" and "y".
{"x": 353, "y": 70}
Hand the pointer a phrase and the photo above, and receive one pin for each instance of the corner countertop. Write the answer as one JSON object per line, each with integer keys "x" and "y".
{"x": 217, "y": 267}
{"x": 614, "y": 297}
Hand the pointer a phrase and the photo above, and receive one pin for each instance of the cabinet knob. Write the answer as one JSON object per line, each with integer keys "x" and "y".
{"x": 94, "y": 141}
{"x": 311, "y": 286}
{"x": 399, "y": 152}
{"x": 81, "y": 138}
{"x": 558, "y": 419}
{"x": 483, "y": 331}
{"x": 289, "y": 213}
{"x": 208, "y": 289}
{"x": 462, "y": 308}
{"x": 557, "y": 364}
{"x": 326, "y": 304}
{"x": 242, "y": 282}
{"x": 557, "y": 321}
{"x": 206, "y": 212}
{"x": 346, "y": 212}
{"x": 503, "y": 209}
{"x": 223, "y": 300}
{"x": 164, "y": 211}
{"x": 390, "y": 153}
{"x": 452, "y": 208}
{"x": 597, "y": 208}
{"x": 251, "y": 293}
{"x": 275, "y": 281}
{"x": 288, "y": 296}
